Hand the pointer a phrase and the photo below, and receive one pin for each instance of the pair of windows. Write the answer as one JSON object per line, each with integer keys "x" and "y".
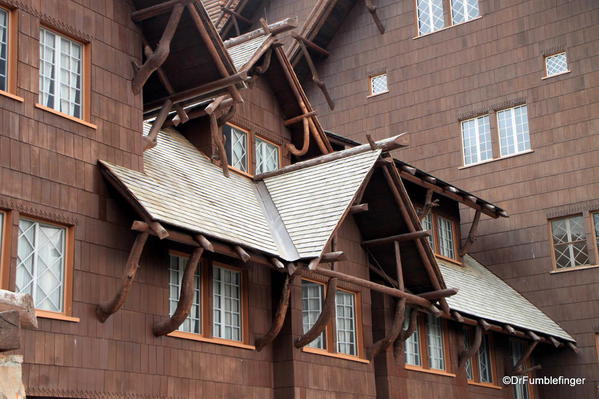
{"x": 434, "y": 15}
{"x": 225, "y": 300}
{"x": 514, "y": 138}
{"x": 238, "y": 147}
{"x": 569, "y": 240}
{"x": 444, "y": 237}
{"x": 427, "y": 347}
{"x": 346, "y": 340}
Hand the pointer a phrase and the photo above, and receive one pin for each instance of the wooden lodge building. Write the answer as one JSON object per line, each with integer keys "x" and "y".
{"x": 214, "y": 199}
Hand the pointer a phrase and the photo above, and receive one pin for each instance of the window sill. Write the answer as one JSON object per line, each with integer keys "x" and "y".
{"x": 484, "y": 385}
{"x": 46, "y": 314}
{"x": 218, "y": 341}
{"x": 445, "y": 28}
{"x": 572, "y": 269}
{"x": 496, "y": 159}
{"x": 11, "y": 96}
{"x": 429, "y": 371}
{"x": 323, "y": 352}
{"x": 557, "y": 74}
{"x": 377, "y": 94}
{"x": 66, "y": 116}
{"x": 450, "y": 260}
{"x": 240, "y": 172}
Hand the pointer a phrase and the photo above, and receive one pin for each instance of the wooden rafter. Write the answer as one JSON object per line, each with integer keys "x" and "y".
{"x": 327, "y": 314}
{"x": 382, "y": 344}
{"x": 315, "y": 78}
{"x": 467, "y": 353}
{"x": 242, "y": 254}
{"x": 438, "y": 294}
{"x": 429, "y": 204}
{"x": 358, "y": 208}
{"x": 311, "y": 44}
{"x": 279, "y": 318}
{"x": 372, "y": 10}
{"x": 162, "y": 50}
{"x": 185, "y": 298}
{"x": 471, "y": 234}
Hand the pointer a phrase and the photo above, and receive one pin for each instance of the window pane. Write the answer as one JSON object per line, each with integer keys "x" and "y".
{"x": 446, "y": 237}
{"x": 40, "y": 264}
{"x": 3, "y": 49}
{"x": 346, "y": 323}
{"x": 467, "y": 345}
{"x": 513, "y": 130}
{"x": 236, "y": 147}
{"x": 226, "y": 302}
{"x": 434, "y": 339}
{"x": 427, "y": 224}
{"x": 484, "y": 361}
{"x": 569, "y": 242}
{"x": 520, "y": 390}
{"x": 464, "y": 10}
{"x": 378, "y": 84}
{"x": 412, "y": 344}
{"x": 476, "y": 136}
{"x": 192, "y": 323}
{"x": 556, "y": 64}
{"x": 430, "y": 16}
{"x": 312, "y": 298}
{"x": 267, "y": 156}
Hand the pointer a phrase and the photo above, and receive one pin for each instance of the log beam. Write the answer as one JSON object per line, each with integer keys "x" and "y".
{"x": 429, "y": 204}
{"x": 519, "y": 367}
{"x": 332, "y": 257}
{"x": 467, "y": 353}
{"x": 315, "y": 78}
{"x": 151, "y": 139}
{"x": 185, "y": 297}
{"x": 236, "y": 15}
{"x": 204, "y": 243}
{"x": 382, "y": 344}
{"x": 327, "y": 314}
{"x": 311, "y": 44}
{"x": 471, "y": 234}
{"x": 299, "y": 118}
{"x": 153, "y": 11}
{"x": 10, "y": 330}
{"x": 218, "y": 138}
{"x": 242, "y": 254}
{"x": 359, "y": 208}
{"x": 413, "y": 235}
{"x": 436, "y": 295}
{"x": 279, "y": 318}
{"x": 22, "y": 303}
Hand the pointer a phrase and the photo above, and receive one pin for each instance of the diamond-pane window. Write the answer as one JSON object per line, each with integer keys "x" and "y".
{"x": 569, "y": 242}
{"x": 378, "y": 84}
{"x": 430, "y": 16}
{"x": 236, "y": 147}
{"x": 476, "y": 136}
{"x": 484, "y": 361}
{"x": 267, "y": 156}
{"x": 513, "y": 130}
{"x": 41, "y": 264}
{"x": 312, "y": 299}
{"x": 556, "y": 64}
{"x": 226, "y": 304}
{"x": 346, "y": 323}
{"x": 192, "y": 323}
{"x": 464, "y": 10}
{"x": 3, "y": 49}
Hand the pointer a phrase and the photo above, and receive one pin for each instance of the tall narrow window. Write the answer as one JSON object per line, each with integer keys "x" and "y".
{"x": 346, "y": 323}
{"x": 41, "y": 264}
{"x": 267, "y": 156}
{"x": 435, "y": 344}
{"x": 412, "y": 345}
{"x": 60, "y": 73}
{"x": 446, "y": 237}
{"x": 312, "y": 298}
{"x": 226, "y": 303}
{"x": 513, "y": 130}
{"x": 556, "y": 64}
{"x": 3, "y": 49}
{"x": 520, "y": 390}
{"x": 192, "y": 323}
{"x": 430, "y": 16}
{"x": 464, "y": 10}
{"x": 236, "y": 146}
{"x": 425, "y": 348}
{"x": 569, "y": 242}
{"x": 378, "y": 84}
{"x": 479, "y": 368}
{"x": 476, "y": 136}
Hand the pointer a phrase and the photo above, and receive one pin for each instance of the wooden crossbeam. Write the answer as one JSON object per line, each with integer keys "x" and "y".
{"x": 467, "y": 353}
{"x": 413, "y": 235}
{"x": 236, "y": 15}
{"x": 279, "y": 318}
{"x": 299, "y": 118}
{"x": 327, "y": 314}
{"x": 382, "y": 344}
{"x": 315, "y": 77}
{"x": 436, "y": 295}
{"x": 311, "y": 44}
{"x": 162, "y": 50}
{"x": 185, "y": 297}
{"x": 471, "y": 234}
{"x": 372, "y": 10}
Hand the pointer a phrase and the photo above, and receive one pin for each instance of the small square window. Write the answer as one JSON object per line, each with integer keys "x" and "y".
{"x": 556, "y": 64}
{"x": 378, "y": 84}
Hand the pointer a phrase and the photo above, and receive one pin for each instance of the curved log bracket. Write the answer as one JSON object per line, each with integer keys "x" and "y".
{"x": 382, "y": 344}
{"x": 327, "y": 314}
{"x": 519, "y": 368}
{"x": 404, "y": 335}
{"x": 279, "y": 319}
{"x": 185, "y": 297}
{"x": 467, "y": 353}
{"x": 372, "y": 10}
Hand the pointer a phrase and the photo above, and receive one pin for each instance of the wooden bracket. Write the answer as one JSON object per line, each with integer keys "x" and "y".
{"x": 162, "y": 50}
{"x": 306, "y": 141}
{"x": 467, "y": 353}
{"x": 279, "y": 319}
{"x": 311, "y": 44}
{"x": 204, "y": 243}
{"x": 262, "y": 68}
{"x": 372, "y": 10}
{"x": 315, "y": 77}
{"x": 185, "y": 297}
{"x": 429, "y": 203}
{"x": 457, "y": 316}
{"x": 382, "y": 344}
{"x": 358, "y": 208}
{"x": 299, "y": 118}
{"x": 327, "y": 314}
{"x": 217, "y": 138}
{"x": 519, "y": 367}
{"x": 242, "y": 254}
{"x": 277, "y": 263}
{"x": 404, "y": 335}
{"x": 471, "y": 234}
{"x": 151, "y": 139}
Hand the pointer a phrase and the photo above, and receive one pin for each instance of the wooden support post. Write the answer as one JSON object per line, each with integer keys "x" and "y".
{"x": 372, "y": 10}
{"x": 242, "y": 254}
{"x": 413, "y": 235}
{"x": 279, "y": 318}
{"x": 471, "y": 234}
{"x": 218, "y": 139}
{"x": 359, "y": 208}
{"x": 105, "y": 310}
{"x": 327, "y": 314}
{"x": 382, "y": 344}
{"x": 185, "y": 297}
{"x": 22, "y": 303}
{"x": 10, "y": 331}
{"x": 467, "y": 353}
{"x": 162, "y": 50}
{"x": 519, "y": 367}
{"x": 315, "y": 77}
{"x": 404, "y": 335}
{"x": 151, "y": 139}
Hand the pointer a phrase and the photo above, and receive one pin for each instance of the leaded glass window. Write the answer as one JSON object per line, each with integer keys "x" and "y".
{"x": 556, "y": 64}
{"x": 226, "y": 303}
{"x": 469, "y": 369}
{"x": 192, "y": 323}
{"x": 378, "y": 84}
{"x": 346, "y": 323}
{"x": 484, "y": 361}
{"x": 476, "y": 136}
{"x": 446, "y": 237}
{"x": 430, "y": 16}
{"x": 3, "y": 49}
{"x": 569, "y": 242}
{"x": 41, "y": 264}
{"x": 60, "y": 73}
{"x": 464, "y": 10}
{"x": 236, "y": 147}
{"x": 267, "y": 156}
{"x": 435, "y": 344}
{"x": 312, "y": 300}
{"x": 513, "y": 130}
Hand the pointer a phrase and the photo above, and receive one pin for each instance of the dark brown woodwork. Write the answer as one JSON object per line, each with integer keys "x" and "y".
{"x": 404, "y": 335}
{"x": 519, "y": 367}
{"x": 486, "y": 326}
{"x": 372, "y": 10}
{"x": 306, "y": 141}
{"x": 204, "y": 243}
{"x": 218, "y": 138}
{"x": 105, "y": 310}
{"x": 381, "y": 273}
{"x": 10, "y": 330}
{"x": 327, "y": 314}
{"x": 398, "y": 266}
{"x": 281, "y": 26}
{"x": 279, "y": 318}
{"x": 332, "y": 257}
{"x": 242, "y": 254}
{"x": 382, "y": 344}
{"x": 151, "y": 138}
{"x": 510, "y": 329}
{"x": 277, "y": 263}
{"x": 457, "y": 316}
{"x": 21, "y": 303}
{"x": 262, "y": 68}
{"x": 467, "y": 353}
{"x": 162, "y": 50}
{"x": 413, "y": 235}
{"x": 359, "y": 208}
{"x": 154, "y": 11}
{"x": 573, "y": 347}
{"x": 471, "y": 234}
{"x": 429, "y": 204}
{"x": 435, "y": 295}
{"x": 236, "y": 16}
{"x": 185, "y": 297}
{"x": 311, "y": 44}
{"x": 554, "y": 342}
{"x": 315, "y": 77}
{"x": 299, "y": 118}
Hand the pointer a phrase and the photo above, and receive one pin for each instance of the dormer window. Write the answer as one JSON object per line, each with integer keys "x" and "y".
{"x": 249, "y": 153}
{"x": 236, "y": 146}
{"x": 444, "y": 235}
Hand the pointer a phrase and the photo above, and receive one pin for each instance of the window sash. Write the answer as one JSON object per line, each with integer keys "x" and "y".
{"x": 476, "y": 140}
{"x": 60, "y": 73}
{"x": 379, "y": 84}
{"x": 267, "y": 156}
{"x": 41, "y": 264}
{"x": 346, "y": 323}
{"x": 514, "y": 135}
{"x": 569, "y": 242}
{"x": 464, "y": 10}
{"x": 556, "y": 64}
{"x": 3, "y": 49}
{"x": 431, "y": 16}
{"x": 446, "y": 237}
{"x": 193, "y": 322}
{"x": 236, "y": 146}
{"x": 435, "y": 343}
{"x": 312, "y": 301}
{"x": 226, "y": 304}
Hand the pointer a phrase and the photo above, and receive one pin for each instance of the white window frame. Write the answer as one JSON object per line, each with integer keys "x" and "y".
{"x": 58, "y": 78}
{"x": 4, "y": 44}
{"x": 434, "y": 333}
{"x": 259, "y": 144}
{"x": 372, "y": 80}
{"x": 570, "y": 242}
{"x": 513, "y": 130}
{"x": 467, "y": 16}
{"x": 431, "y": 18}
{"x": 548, "y": 57}
{"x": 442, "y": 238}
{"x": 320, "y": 341}
{"x": 478, "y": 121}
{"x": 177, "y": 265}
{"x": 223, "y": 324}
{"x": 346, "y": 346}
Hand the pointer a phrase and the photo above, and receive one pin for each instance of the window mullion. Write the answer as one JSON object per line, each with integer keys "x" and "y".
{"x": 477, "y": 141}
{"x": 34, "y": 256}
{"x": 58, "y": 76}
{"x": 514, "y": 130}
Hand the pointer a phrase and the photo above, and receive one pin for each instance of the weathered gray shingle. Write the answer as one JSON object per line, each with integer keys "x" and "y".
{"x": 243, "y": 52}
